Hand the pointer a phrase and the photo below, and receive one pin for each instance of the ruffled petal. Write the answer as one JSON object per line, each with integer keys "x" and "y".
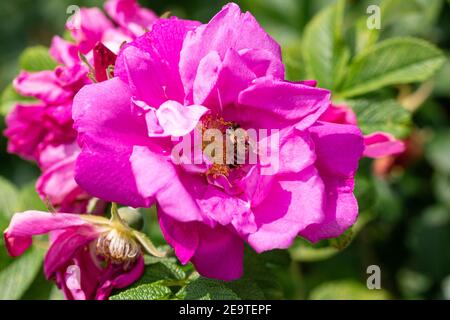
{"x": 64, "y": 52}
{"x": 150, "y": 63}
{"x": 230, "y": 28}
{"x": 87, "y": 27}
{"x": 219, "y": 253}
{"x": 295, "y": 202}
{"x": 64, "y": 247}
{"x": 381, "y": 144}
{"x": 42, "y": 85}
{"x": 121, "y": 279}
{"x": 263, "y": 63}
{"x": 107, "y": 130}
{"x": 130, "y": 16}
{"x": 24, "y": 130}
{"x": 57, "y": 183}
{"x": 183, "y": 237}
{"x": 177, "y": 120}
{"x": 222, "y": 208}
{"x": 157, "y": 177}
{"x": 218, "y": 83}
{"x": 103, "y": 112}
{"x": 338, "y": 147}
{"x": 341, "y": 114}
{"x": 270, "y": 103}
{"x": 18, "y": 236}
{"x": 341, "y": 210}
{"x": 286, "y": 151}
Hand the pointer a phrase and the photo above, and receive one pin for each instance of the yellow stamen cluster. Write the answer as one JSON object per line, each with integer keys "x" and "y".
{"x": 215, "y": 122}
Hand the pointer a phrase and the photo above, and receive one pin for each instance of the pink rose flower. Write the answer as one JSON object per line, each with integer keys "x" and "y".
{"x": 89, "y": 256}
{"x": 183, "y": 77}
{"x": 43, "y": 131}
{"x": 377, "y": 144}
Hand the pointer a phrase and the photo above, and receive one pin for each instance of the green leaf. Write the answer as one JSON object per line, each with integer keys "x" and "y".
{"x": 342, "y": 242}
{"x": 9, "y": 98}
{"x": 293, "y": 61}
{"x": 207, "y": 289}
{"x": 364, "y": 189}
{"x": 28, "y": 199}
{"x": 265, "y": 269}
{"x": 438, "y": 152}
{"x": 442, "y": 81}
{"x": 20, "y": 274}
{"x": 304, "y": 251}
{"x": 56, "y": 294}
{"x": 428, "y": 239}
{"x": 8, "y": 201}
{"x": 441, "y": 185}
{"x": 393, "y": 61}
{"x": 390, "y": 12}
{"x": 144, "y": 292}
{"x": 246, "y": 289}
{"x": 382, "y": 115}
{"x": 324, "y": 51}
{"x": 36, "y": 58}
{"x": 163, "y": 270}
{"x": 347, "y": 290}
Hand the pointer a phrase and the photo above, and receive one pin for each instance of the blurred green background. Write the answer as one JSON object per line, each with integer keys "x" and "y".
{"x": 406, "y": 231}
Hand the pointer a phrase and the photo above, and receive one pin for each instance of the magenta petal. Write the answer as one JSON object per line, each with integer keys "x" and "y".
{"x": 64, "y": 52}
{"x": 57, "y": 182}
{"x": 183, "y": 237}
{"x": 23, "y": 226}
{"x": 341, "y": 114}
{"x": 207, "y": 77}
{"x": 87, "y": 27}
{"x": 270, "y": 103}
{"x": 24, "y": 132}
{"x": 107, "y": 131}
{"x": 157, "y": 177}
{"x": 228, "y": 29}
{"x": 222, "y": 208}
{"x": 130, "y": 16}
{"x": 42, "y": 85}
{"x": 309, "y": 83}
{"x": 338, "y": 147}
{"x": 341, "y": 211}
{"x": 104, "y": 171}
{"x": 140, "y": 64}
{"x": 292, "y": 152}
{"x": 263, "y": 63}
{"x": 103, "y": 112}
{"x": 122, "y": 280}
{"x": 381, "y": 144}
{"x": 294, "y": 203}
{"x": 145, "y": 76}
{"x": 126, "y": 279}
{"x": 177, "y": 120}
{"x": 64, "y": 247}
{"x": 212, "y": 82}
{"x": 219, "y": 254}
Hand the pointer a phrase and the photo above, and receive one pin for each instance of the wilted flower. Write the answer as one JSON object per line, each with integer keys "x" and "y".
{"x": 89, "y": 255}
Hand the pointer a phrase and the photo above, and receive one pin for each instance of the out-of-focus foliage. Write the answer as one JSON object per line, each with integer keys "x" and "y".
{"x": 404, "y": 223}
